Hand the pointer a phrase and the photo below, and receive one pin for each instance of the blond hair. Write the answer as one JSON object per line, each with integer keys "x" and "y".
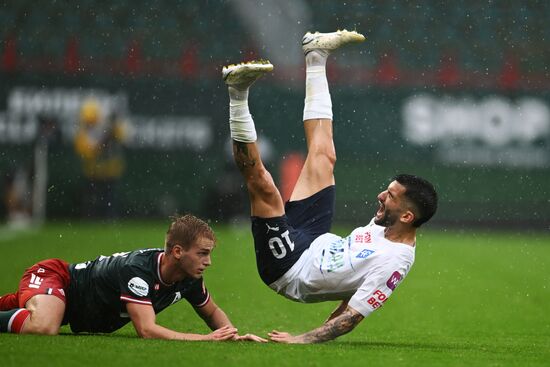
{"x": 185, "y": 230}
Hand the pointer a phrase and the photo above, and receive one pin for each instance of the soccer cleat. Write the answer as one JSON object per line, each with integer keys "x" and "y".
{"x": 329, "y": 41}
{"x": 244, "y": 74}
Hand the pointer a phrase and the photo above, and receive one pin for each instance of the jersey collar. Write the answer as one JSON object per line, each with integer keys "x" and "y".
{"x": 159, "y": 259}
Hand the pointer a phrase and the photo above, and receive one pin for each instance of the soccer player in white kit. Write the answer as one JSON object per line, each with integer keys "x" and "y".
{"x": 295, "y": 253}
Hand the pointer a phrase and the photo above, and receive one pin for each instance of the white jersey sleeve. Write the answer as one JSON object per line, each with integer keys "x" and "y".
{"x": 378, "y": 286}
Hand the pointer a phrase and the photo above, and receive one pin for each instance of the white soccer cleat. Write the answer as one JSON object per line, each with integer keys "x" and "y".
{"x": 329, "y": 41}
{"x": 244, "y": 74}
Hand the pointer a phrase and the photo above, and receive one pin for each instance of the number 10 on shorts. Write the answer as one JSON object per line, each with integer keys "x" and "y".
{"x": 277, "y": 246}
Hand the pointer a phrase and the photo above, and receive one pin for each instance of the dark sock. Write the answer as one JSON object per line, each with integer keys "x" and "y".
{"x": 12, "y": 321}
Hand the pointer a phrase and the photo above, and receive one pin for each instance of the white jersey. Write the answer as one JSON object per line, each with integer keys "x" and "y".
{"x": 364, "y": 266}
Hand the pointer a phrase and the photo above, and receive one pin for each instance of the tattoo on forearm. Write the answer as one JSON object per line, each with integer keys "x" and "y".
{"x": 242, "y": 155}
{"x": 340, "y": 325}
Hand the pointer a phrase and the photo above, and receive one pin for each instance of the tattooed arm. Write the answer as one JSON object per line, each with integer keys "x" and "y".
{"x": 333, "y": 328}
{"x": 338, "y": 311}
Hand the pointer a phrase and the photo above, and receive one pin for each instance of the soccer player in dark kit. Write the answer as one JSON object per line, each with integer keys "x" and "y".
{"x": 102, "y": 295}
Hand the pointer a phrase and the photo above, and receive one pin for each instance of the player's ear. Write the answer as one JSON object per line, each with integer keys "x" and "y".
{"x": 407, "y": 217}
{"x": 177, "y": 251}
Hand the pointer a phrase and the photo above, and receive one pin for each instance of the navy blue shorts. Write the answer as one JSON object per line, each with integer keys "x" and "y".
{"x": 280, "y": 241}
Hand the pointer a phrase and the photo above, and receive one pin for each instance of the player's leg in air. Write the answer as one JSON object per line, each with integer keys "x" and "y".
{"x": 283, "y": 232}
{"x": 265, "y": 199}
{"x": 317, "y": 173}
{"x": 39, "y": 304}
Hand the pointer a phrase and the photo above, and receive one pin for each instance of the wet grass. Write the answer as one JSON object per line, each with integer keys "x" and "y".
{"x": 472, "y": 298}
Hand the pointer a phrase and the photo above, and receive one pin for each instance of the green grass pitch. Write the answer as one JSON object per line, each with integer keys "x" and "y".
{"x": 472, "y": 298}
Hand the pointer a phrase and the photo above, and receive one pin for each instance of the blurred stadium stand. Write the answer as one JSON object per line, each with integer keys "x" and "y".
{"x": 165, "y": 58}
{"x": 472, "y": 43}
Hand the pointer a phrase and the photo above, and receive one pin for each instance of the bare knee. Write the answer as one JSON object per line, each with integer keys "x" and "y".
{"x": 47, "y": 330}
{"x": 46, "y": 315}
{"x": 41, "y": 328}
{"x": 330, "y": 156}
{"x": 50, "y": 330}
{"x": 323, "y": 153}
{"x": 261, "y": 184}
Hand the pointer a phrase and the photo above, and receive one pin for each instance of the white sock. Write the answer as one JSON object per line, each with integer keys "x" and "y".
{"x": 241, "y": 123}
{"x": 317, "y": 104}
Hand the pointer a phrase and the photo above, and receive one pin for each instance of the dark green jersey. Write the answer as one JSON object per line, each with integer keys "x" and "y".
{"x": 100, "y": 289}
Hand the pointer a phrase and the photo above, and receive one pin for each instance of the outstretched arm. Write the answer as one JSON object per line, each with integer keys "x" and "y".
{"x": 331, "y": 329}
{"x": 338, "y": 311}
{"x": 213, "y": 316}
{"x": 144, "y": 320}
{"x": 216, "y": 318}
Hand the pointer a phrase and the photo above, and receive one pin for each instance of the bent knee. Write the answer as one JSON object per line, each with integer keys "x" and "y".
{"x": 49, "y": 330}
{"x": 262, "y": 184}
{"x": 323, "y": 154}
{"x": 331, "y": 157}
{"x": 41, "y": 329}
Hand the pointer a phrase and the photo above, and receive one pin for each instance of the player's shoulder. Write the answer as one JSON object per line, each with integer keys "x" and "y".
{"x": 145, "y": 252}
{"x": 369, "y": 225}
{"x": 369, "y": 230}
{"x": 143, "y": 258}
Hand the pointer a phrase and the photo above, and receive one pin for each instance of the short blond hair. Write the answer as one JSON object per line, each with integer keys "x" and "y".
{"x": 185, "y": 230}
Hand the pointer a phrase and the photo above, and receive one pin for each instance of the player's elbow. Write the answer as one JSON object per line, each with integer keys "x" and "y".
{"x": 146, "y": 332}
{"x": 146, "y": 335}
{"x": 350, "y": 328}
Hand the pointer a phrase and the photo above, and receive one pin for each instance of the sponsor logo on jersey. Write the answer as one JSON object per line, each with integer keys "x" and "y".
{"x": 334, "y": 258}
{"x": 269, "y": 228}
{"x": 377, "y": 300}
{"x": 394, "y": 280}
{"x": 364, "y": 254}
{"x": 176, "y": 298}
{"x": 138, "y": 286}
{"x": 35, "y": 282}
{"x": 363, "y": 237}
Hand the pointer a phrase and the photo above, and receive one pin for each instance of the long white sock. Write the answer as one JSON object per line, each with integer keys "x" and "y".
{"x": 317, "y": 103}
{"x": 241, "y": 123}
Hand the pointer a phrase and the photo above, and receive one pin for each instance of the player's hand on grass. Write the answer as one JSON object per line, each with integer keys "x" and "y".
{"x": 282, "y": 337}
{"x": 249, "y": 337}
{"x": 223, "y": 333}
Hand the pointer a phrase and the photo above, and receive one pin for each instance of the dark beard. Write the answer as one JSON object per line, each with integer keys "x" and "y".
{"x": 387, "y": 220}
